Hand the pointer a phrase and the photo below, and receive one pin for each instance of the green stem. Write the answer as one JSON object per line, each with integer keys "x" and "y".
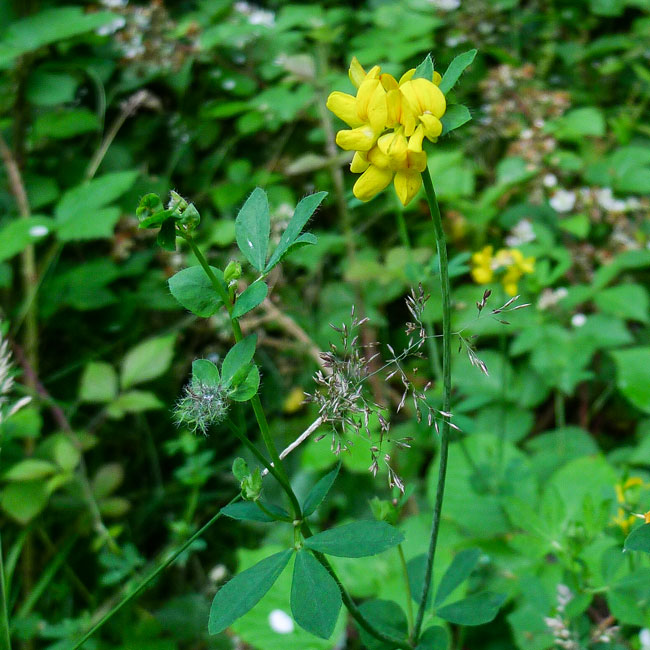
{"x": 407, "y": 585}
{"x": 5, "y": 640}
{"x": 446, "y": 399}
{"x": 277, "y": 468}
{"x": 152, "y": 576}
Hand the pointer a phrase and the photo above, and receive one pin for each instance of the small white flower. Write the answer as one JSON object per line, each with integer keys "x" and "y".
{"x": 644, "y": 638}
{"x": 281, "y": 622}
{"x": 522, "y": 233}
{"x": 539, "y": 123}
{"x": 578, "y": 320}
{"x": 526, "y": 134}
{"x": 550, "y": 298}
{"x": 563, "y": 200}
{"x": 218, "y": 573}
{"x": 445, "y": 5}
{"x": 550, "y": 180}
{"x": 38, "y": 231}
{"x": 112, "y": 27}
{"x": 606, "y": 200}
{"x": 228, "y": 84}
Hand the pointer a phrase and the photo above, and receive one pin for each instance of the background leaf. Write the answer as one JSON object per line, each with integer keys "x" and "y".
{"x": 357, "y": 539}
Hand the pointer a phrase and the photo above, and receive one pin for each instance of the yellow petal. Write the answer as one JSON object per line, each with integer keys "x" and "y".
{"x": 620, "y": 497}
{"x": 632, "y": 482}
{"x": 393, "y": 107}
{"x": 511, "y": 288}
{"x": 482, "y": 275}
{"x": 409, "y": 97}
{"x": 407, "y": 185}
{"x": 430, "y": 97}
{"x": 415, "y": 141}
{"x": 356, "y": 72}
{"x": 388, "y": 82}
{"x": 344, "y": 106}
{"x": 364, "y": 97}
{"x": 396, "y": 151}
{"x": 407, "y": 76}
{"x": 437, "y": 78}
{"x": 378, "y": 158}
{"x": 360, "y": 139}
{"x": 359, "y": 163}
{"x": 432, "y": 126}
{"x": 371, "y": 182}
{"x": 374, "y": 72}
{"x": 416, "y": 161}
{"x": 378, "y": 109}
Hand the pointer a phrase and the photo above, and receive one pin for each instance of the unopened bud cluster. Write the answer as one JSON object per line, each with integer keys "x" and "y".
{"x": 201, "y": 406}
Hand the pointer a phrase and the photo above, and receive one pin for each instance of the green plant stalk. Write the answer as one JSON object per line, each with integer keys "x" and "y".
{"x": 446, "y": 396}
{"x": 5, "y": 640}
{"x": 152, "y": 576}
{"x": 277, "y": 468}
{"x": 407, "y": 587}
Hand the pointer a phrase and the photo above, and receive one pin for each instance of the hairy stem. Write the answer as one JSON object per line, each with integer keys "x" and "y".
{"x": 446, "y": 399}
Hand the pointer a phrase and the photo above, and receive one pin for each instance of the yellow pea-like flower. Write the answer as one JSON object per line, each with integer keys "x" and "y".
{"x": 388, "y": 121}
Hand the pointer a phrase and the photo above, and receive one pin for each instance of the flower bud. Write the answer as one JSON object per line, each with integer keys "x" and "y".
{"x": 232, "y": 272}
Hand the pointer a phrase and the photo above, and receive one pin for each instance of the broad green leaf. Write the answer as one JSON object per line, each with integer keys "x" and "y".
{"x": 252, "y": 228}
{"x": 303, "y": 212}
{"x": 248, "y": 511}
{"x": 23, "y": 501}
{"x": 475, "y": 610}
{"x": 416, "y": 568}
{"x": 47, "y": 88}
{"x": 388, "y": 617}
{"x": 166, "y": 237}
{"x": 205, "y": 372}
{"x": 250, "y": 298}
{"x": 17, "y": 234}
{"x": 434, "y": 638}
{"x": 245, "y": 590}
{"x": 194, "y": 290}
{"x": 319, "y": 492}
{"x": 61, "y": 450}
{"x": 48, "y": 26}
{"x": 628, "y": 301}
{"x": 247, "y": 387}
{"x": 91, "y": 195}
{"x": 639, "y": 539}
{"x": 459, "y": 570}
{"x": 65, "y": 123}
{"x": 633, "y": 375}
{"x": 147, "y": 360}
{"x": 133, "y": 401}
{"x": 29, "y": 469}
{"x": 99, "y": 382}
{"x": 357, "y": 539}
{"x": 238, "y": 357}
{"x": 89, "y": 224}
{"x": 425, "y": 69}
{"x": 315, "y": 597}
{"x": 578, "y": 123}
{"x": 455, "y": 69}
{"x": 107, "y": 479}
{"x": 456, "y": 115}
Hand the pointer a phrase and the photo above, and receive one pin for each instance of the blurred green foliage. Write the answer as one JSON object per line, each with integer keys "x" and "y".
{"x": 102, "y": 103}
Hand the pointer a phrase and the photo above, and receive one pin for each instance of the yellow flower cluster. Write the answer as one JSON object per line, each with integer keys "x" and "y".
{"x": 388, "y": 121}
{"x": 485, "y": 264}
{"x": 622, "y": 519}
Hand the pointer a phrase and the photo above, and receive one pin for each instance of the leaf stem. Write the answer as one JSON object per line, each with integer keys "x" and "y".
{"x": 277, "y": 468}
{"x": 446, "y": 399}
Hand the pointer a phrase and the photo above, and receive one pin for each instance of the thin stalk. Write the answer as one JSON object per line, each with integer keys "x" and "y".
{"x": 446, "y": 398}
{"x": 152, "y": 576}
{"x": 407, "y": 587}
{"x": 5, "y": 640}
{"x": 277, "y": 468}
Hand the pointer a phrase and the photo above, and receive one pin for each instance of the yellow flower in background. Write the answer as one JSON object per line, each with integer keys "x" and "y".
{"x": 622, "y": 519}
{"x": 388, "y": 121}
{"x": 511, "y": 260}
